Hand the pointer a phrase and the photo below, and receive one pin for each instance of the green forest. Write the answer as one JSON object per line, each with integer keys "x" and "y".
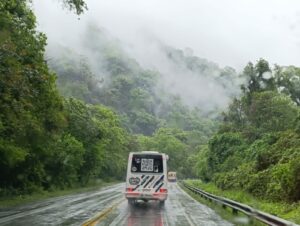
{"x": 66, "y": 120}
{"x": 256, "y": 147}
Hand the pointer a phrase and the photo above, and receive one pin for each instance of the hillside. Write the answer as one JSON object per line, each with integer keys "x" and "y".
{"x": 70, "y": 116}
{"x": 256, "y": 148}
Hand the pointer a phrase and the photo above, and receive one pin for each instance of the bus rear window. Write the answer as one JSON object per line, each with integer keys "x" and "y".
{"x": 147, "y": 164}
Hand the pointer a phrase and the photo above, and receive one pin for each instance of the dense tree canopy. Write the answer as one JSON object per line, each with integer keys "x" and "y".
{"x": 47, "y": 141}
{"x": 121, "y": 83}
{"x": 31, "y": 108}
{"x": 257, "y": 146}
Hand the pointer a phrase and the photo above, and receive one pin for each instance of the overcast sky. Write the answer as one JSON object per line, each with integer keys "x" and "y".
{"x": 228, "y": 32}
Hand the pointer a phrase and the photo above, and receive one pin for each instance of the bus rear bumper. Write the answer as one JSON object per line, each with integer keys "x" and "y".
{"x": 142, "y": 196}
{"x": 172, "y": 180}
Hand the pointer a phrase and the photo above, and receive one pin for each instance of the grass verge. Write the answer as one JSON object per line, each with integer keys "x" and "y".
{"x": 238, "y": 219}
{"x": 288, "y": 211}
{"x": 12, "y": 201}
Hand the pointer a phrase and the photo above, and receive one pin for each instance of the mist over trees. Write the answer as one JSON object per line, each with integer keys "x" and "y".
{"x": 71, "y": 116}
{"x": 256, "y": 148}
{"x": 121, "y": 83}
{"x": 136, "y": 94}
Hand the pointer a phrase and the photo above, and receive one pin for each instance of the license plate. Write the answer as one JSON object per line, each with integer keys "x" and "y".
{"x": 147, "y": 195}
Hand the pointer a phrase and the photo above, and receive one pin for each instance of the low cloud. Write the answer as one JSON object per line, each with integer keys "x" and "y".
{"x": 226, "y": 32}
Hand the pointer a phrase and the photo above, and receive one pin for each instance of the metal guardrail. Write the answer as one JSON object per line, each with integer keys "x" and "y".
{"x": 238, "y": 207}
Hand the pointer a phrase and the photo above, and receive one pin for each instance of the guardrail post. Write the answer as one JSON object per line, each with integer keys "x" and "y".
{"x": 234, "y": 211}
{"x": 251, "y": 220}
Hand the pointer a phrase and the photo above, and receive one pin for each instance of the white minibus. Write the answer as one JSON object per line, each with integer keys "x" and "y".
{"x": 146, "y": 176}
{"x": 172, "y": 176}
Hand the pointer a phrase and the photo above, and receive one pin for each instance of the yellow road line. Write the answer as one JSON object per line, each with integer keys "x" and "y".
{"x": 100, "y": 216}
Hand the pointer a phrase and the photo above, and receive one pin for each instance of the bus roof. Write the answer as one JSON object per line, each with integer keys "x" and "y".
{"x": 148, "y": 152}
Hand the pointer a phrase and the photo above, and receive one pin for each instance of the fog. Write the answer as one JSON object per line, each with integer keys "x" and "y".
{"x": 229, "y": 33}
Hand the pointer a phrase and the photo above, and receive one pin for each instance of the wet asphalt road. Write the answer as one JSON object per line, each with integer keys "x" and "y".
{"x": 179, "y": 209}
{"x": 66, "y": 210}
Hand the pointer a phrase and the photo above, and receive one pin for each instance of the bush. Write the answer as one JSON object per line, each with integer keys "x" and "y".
{"x": 222, "y": 146}
{"x": 237, "y": 178}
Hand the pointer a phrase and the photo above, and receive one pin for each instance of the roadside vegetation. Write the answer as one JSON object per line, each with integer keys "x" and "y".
{"x": 256, "y": 148}
{"x": 48, "y": 142}
{"x": 281, "y": 209}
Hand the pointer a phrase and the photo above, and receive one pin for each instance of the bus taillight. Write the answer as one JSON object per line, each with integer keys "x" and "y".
{"x": 129, "y": 189}
{"x": 163, "y": 190}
